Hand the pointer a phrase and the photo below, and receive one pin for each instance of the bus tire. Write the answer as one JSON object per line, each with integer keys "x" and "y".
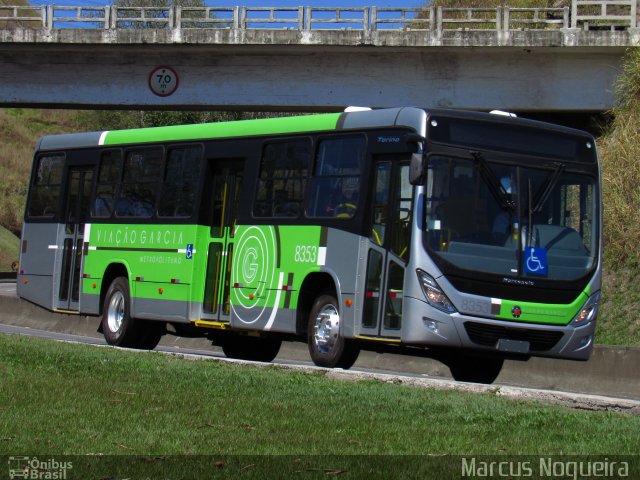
{"x": 118, "y": 327}
{"x": 475, "y": 369}
{"x": 327, "y": 346}
{"x": 244, "y": 347}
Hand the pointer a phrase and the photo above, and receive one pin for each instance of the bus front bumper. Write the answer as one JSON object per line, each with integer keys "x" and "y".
{"x": 425, "y": 325}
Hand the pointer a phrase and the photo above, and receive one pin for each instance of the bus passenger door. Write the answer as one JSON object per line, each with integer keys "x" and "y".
{"x": 225, "y": 179}
{"x": 388, "y": 249}
{"x": 78, "y": 187}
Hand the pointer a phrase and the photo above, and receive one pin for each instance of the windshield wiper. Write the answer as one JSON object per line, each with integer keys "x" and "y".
{"x": 547, "y": 188}
{"x": 495, "y": 187}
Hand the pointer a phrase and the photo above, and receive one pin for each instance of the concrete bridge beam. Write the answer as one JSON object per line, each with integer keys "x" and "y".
{"x": 271, "y": 75}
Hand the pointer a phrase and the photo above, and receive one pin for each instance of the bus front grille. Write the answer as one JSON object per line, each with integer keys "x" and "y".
{"x": 488, "y": 335}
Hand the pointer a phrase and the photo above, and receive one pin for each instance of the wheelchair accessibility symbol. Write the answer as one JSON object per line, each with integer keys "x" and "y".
{"x": 535, "y": 262}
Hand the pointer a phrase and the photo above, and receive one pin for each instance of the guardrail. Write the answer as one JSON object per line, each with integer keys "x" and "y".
{"x": 583, "y": 14}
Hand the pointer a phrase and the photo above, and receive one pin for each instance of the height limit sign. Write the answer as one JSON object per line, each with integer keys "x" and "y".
{"x": 163, "y": 81}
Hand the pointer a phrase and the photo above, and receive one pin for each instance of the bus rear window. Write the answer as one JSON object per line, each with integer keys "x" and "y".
{"x": 45, "y": 191}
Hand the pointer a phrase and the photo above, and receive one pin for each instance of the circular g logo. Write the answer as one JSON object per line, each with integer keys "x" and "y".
{"x": 254, "y": 271}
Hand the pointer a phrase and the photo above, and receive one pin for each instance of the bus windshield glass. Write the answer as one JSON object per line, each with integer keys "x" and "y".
{"x": 511, "y": 219}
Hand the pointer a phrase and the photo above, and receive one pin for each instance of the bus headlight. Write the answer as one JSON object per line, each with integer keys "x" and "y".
{"x": 435, "y": 296}
{"x": 589, "y": 311}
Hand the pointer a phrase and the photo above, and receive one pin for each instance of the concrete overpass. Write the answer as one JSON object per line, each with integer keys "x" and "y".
{"x": 529, "y": 60}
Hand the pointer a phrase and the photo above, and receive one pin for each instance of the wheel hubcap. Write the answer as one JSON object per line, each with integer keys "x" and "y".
{"x": 115, "y": 312}
{"x": 326, "y": 328}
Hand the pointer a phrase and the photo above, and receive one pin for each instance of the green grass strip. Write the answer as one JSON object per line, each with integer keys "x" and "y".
{"x": 67, "y": 399}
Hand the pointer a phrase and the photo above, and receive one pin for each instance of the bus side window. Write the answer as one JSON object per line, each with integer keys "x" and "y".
{"x": 180, "y": 182}
{"x": 142, "y": 173}
{"x": 335, "y": 185}
{"x": 283, "y": 174}
{"x": 108, "y": 180}
{"x": 45, "y": 192}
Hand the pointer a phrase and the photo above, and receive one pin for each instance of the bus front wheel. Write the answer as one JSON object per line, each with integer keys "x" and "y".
{"x": 119, "y": 327}
{"x": 327, "y": 346}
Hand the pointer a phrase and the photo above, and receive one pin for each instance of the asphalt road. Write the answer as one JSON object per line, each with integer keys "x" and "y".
{"x": 611, "y": 372}
{"x": 570, "y": 399}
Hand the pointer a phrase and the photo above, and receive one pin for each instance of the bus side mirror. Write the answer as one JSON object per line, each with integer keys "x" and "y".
{"x": 416, "y": 169}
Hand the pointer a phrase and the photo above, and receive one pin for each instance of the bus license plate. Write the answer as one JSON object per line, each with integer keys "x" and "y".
{"x": 513, "y": 346}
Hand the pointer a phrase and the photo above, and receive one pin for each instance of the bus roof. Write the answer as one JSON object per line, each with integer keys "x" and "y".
{"x": 410, "y": 117}
{"x": 389, "y": 117}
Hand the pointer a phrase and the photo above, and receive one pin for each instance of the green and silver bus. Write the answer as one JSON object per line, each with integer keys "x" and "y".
{"x": 471, "y": 237}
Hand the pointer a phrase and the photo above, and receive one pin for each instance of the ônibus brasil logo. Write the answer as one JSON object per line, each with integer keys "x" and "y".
{"x": 33, "y": 468}
{"x": 516, "y": 312}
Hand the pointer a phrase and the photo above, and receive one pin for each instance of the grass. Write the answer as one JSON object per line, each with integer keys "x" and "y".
{"x": 619, "y": 323}
{"x": 9, "y": 249}
{"x": 67, "y": 399}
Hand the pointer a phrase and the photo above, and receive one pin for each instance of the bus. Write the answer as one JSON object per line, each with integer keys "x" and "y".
{"x": 469, "y": 237}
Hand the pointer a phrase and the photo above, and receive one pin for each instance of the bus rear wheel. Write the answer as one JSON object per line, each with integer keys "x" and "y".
{"x": 119, "y": 327}
{"x": 258, "y": 349}
{"x": 327, "y": 346}
{"x": 475, "y": 369}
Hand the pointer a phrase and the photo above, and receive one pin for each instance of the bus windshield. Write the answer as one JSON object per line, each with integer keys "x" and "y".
{"x": 514, "y": 219}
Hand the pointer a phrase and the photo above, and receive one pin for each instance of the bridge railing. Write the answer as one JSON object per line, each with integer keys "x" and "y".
{"x": 536, "y": 18}
{"x": 583, "y": 14}
{"x": 609, "y": 14}
{"x": 403, "y": 18}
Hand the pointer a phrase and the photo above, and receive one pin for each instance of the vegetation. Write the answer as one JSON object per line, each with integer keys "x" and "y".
{"x": 19, "y": 131}
{"x": 76, "y": 399}
{"x": 458, "y": 19}
{"x": 620, "y": 150}
{"x": 6, "y": 12}
{"x": 9, "y": 247}
{"x": 500, "y": 3}
{"x": 121, "y": 119}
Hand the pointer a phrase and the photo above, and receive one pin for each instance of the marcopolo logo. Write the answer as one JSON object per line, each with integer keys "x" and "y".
{"x": 34, "y": 468}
